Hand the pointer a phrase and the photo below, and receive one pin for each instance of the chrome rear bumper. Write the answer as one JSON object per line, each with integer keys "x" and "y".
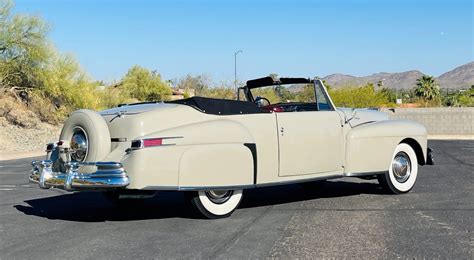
{"x": 108, "y": 175}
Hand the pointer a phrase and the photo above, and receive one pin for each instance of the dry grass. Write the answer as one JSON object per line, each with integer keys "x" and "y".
{"x": 17, "y": 113}
{"x": 44, "y": 109}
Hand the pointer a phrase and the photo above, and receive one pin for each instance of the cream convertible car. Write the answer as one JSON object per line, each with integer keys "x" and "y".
{"x": 215, "y": 149}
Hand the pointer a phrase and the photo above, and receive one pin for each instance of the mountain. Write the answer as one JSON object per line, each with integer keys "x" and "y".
{"x": 459, "y": 78}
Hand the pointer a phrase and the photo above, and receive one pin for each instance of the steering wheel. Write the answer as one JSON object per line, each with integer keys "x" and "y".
{"x": 258, "y": 101}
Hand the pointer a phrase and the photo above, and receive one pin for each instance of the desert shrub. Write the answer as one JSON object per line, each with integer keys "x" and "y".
{"x": 359, "y": 97}
{"x": 466, "y": 99}
{"x": 67, "y": 86}
{"x": 220, "y": 92}
{"x": 200, "y": 84}
{"x": 114, "y": 96}
{"x": 267, "y": 92}
{"x": 145, "y": 85}
{"x": 44, "y": 108}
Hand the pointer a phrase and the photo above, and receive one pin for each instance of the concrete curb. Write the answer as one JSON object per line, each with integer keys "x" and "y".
{"x": 450, "y": 137}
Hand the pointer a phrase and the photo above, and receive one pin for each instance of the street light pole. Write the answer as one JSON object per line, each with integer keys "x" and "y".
{"x": 235, "y": 69}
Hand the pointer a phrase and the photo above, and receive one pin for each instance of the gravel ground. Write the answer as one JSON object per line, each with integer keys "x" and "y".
{"x": 18, "y": 139}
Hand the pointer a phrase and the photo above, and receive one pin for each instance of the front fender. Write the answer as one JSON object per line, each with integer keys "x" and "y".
{"x": 369, "y": 147}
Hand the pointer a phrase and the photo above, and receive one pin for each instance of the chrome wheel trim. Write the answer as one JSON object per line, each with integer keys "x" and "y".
{"x": 401, "y": 167}
{"x": 219, "y": 196}
{"x": 80, "y": 144}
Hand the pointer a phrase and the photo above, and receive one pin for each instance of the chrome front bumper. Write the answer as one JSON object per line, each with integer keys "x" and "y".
{"x": 107, "y": 175}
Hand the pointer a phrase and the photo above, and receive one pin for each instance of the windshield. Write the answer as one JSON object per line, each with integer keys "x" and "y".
{"x": 286, "y": 93}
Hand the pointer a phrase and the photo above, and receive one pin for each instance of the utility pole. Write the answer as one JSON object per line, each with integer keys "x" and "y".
{"x": 235, "y": 70}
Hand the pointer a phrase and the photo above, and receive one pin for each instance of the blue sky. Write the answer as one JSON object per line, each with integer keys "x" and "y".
{"x": 291, "y": 38}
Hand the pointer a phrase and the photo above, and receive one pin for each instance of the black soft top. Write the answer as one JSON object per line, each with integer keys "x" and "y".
{"x": 270, "y": 81}
{"x": 216, "y": 106}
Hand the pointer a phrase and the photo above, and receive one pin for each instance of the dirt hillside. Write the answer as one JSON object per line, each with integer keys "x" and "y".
{"x": 21, "y": 130}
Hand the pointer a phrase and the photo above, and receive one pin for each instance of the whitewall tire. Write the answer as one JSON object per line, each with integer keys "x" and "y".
{"x": 94, "y": 130}
{"x": 216, "y": 203}
{"x": 402, "y": 172}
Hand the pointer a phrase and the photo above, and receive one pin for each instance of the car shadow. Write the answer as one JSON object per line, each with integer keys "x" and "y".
{"x": 275, "y": 195}
{"x": 93, "y": 207}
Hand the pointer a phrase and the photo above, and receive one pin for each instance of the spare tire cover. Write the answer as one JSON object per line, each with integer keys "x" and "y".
{"x": 96, "y": 130}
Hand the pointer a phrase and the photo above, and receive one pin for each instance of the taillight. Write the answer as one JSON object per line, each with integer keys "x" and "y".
{"x": 143, "y": 143}
{"x": 152, "y": 142}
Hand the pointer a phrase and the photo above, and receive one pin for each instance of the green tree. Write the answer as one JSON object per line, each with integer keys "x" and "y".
{"x": 427, "y": 89}
{"x": 50, "y": 83}
{"x": 23, "y": 48}
{"x": 145, "y": 85}
{"x": 200, "y": 84}
{"x": 68, "y": 87}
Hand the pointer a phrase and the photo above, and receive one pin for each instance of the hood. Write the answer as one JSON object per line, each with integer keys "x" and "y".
{"x": 362, "y": 115}
{"x": 137, "y": 108}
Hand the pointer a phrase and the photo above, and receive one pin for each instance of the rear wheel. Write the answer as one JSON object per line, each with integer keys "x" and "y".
{"x": 403, "y": 170}
{"x": 216, "y": 203}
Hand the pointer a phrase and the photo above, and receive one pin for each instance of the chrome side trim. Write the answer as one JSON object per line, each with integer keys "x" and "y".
{"x": 108, "y": 175}
{"x": 317, "y": 178}
{"x": 361, "y": 174}
{"x": 239, "y": 187}
{"x": 205, "y": 188}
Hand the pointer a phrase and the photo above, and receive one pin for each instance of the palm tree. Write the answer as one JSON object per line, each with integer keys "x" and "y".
{"x": 427, "y": 88}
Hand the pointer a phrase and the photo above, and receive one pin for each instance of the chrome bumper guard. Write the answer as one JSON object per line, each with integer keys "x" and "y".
{"x": 430, "y": 156}
{"x": 109, "y": 175}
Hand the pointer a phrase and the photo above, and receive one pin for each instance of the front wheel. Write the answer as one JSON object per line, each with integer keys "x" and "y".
{"x": 216, "y": 203}
{"x": 403, "y": 170}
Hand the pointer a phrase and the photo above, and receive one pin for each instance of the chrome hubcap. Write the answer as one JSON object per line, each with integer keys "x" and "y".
{"x": 219, "y": 196}
{"x": 79, "y": 144}
{"x": 401, "y": 167}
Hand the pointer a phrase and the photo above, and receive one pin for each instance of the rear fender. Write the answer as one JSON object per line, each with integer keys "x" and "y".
{"x": 207, "y": 132}
{"x": 216, "y": 165}
{"x": 206, "y": 154}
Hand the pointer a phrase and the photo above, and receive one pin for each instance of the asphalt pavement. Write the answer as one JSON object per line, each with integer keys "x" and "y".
{"x": 347, "y": 218}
